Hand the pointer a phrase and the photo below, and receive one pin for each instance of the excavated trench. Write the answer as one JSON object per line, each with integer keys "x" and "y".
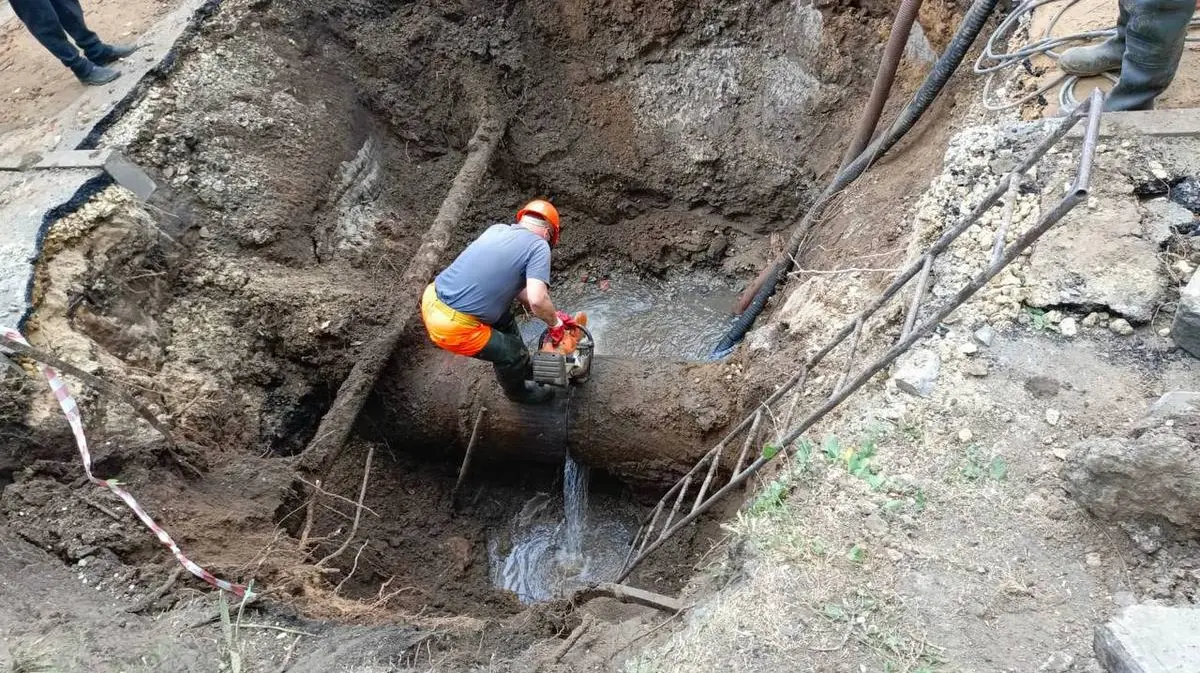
{"x": 305, "y": 146}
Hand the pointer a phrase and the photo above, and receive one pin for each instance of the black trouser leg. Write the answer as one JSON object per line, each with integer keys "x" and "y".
{"x": 1154, "y": 40}
{"x": 70, "y": 15}
{"x": 40, "y": 17}
{"x": 509, "y": 357}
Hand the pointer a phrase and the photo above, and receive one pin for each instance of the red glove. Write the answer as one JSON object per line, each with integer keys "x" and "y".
{"x": 567, "y": 320}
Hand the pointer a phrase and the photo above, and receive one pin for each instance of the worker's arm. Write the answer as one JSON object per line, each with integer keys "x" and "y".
{"x": 536, "y": 296}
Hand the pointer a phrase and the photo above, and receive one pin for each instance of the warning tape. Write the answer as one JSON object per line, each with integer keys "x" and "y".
{"x": 71, "y": 411}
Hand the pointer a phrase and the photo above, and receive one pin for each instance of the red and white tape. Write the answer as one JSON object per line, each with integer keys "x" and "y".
{"x": 71, "y": 411}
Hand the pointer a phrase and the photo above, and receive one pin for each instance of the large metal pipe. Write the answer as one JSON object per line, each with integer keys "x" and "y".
{"x": 646, "y": 422}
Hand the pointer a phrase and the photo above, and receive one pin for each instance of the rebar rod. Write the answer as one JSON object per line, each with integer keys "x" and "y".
{"x": 1077, "y": 194}
{"x": 737, "y": 467}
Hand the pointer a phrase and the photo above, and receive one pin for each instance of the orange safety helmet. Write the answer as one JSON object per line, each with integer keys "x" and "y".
{"x": 543, "y": 210}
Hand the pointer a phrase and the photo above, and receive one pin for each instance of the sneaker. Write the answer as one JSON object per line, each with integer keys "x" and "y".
{"x": 99, "y": 75}
{"x": 115, "y": 53}
{"x": 1093, "y": 59}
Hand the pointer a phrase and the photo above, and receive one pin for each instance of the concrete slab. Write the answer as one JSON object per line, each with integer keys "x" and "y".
{"x": 30, "y": 200}
{"x": 1163, "y": 123}
{"x": 1150, "y": 639}
{"x": 57, "y": 159}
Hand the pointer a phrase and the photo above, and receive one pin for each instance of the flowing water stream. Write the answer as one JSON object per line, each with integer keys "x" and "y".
{"x": 562, "y": 541}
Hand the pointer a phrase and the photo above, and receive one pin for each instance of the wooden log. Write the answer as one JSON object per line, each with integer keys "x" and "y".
{"x": 337, "y": 423}
{"x": 644, "y": 421}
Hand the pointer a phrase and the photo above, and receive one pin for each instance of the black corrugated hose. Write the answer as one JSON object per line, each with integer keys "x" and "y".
{"x": 972, "y": 24}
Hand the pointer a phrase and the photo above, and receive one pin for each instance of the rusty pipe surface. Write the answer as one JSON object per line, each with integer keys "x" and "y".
{"x": 646, "y": 422}
{"x": 906, "y": 14}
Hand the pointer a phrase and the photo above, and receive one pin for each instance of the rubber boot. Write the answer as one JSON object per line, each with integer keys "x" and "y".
{"x": 115, "y": 52}
{"x": 1094, "y": 59}
{"x": 517, "y": 387}
{"x": 1154, "y": 40}
{"x": 97, "y": 74}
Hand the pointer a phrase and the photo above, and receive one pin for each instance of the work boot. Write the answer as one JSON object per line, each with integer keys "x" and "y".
{"x": 528, "y": 393}
{"x": 115, "y": 52}
{"x": 97, "y": 75}
{"x": 1094, "y": 59}
{"x": 514, "y": 380}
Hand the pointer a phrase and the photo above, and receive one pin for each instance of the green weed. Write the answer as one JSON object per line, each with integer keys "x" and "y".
{"x": 771, "y": 498}
{"x": 977, "y": 465}
{"x": 857, "y": 554}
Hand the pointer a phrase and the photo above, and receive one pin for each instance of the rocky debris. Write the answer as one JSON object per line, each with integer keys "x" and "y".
{"x": 1053, "y": 416}
{"x": 1101, "y": 257}
{"x": 1068, "y": 327}
{"x": 916, "y": 373}
{"x": 802, "y": 310}
{"x": 1120, "y": 327}
{"x": 1175, "y": 403}
{"x": 1187, "y": 194}
{"x": 1059, "y": 662}
{"x": 1148, "y": 538}
{"x": 1151, "y": 473}
{"x": 1186, "y": 328}
{"x": 1166, "y": 218}
{"x": 985, "y": 335}
{"x": 1150, "y": 639}
{"x": 977, "y": 369}
{"x": 1042, "y": 386}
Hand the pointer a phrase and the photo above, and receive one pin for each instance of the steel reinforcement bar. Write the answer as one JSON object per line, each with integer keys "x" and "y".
{"x": 662, "y": 523}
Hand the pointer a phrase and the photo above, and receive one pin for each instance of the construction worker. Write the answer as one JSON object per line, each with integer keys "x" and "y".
{"x": 51, "y": 21}
{"x": 1146, "y": 49}
{"x": 466, "y": 309}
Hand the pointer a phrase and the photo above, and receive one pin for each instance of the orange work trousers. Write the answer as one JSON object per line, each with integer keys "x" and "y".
{"x": 451, "y": 330}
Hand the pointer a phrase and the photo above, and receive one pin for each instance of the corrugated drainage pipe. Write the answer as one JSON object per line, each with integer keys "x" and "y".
{"x": 972, "y": 24}
{"x": 901, "y": 27}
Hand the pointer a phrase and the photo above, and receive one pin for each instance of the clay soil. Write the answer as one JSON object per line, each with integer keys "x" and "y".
{"x": 302, "y": 148}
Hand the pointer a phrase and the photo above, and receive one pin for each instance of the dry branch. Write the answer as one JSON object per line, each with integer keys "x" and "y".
{"x": 587, "y": 622}
{"x": 466, "y": 463}
{"x": 362, "y": 494}
{"x": 335, "y": 427}
{"x": 96, "y": 382}
{"x": 145, "y": 603}
{"x": 64, "y": 366}
{"x": 628, "y": 594}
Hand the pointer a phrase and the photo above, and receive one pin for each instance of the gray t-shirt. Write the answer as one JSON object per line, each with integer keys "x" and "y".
{"x": 485, "y": 278}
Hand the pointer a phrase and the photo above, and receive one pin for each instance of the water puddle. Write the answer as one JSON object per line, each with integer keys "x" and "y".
{"x": 678, "y": 317}
{"x": 558, "y": 543}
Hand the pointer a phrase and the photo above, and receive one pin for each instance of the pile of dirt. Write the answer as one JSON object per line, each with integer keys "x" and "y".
{"x": 303, "y": 147}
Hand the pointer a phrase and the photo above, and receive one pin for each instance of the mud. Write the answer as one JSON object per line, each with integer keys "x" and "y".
{"x": 303, "y": 148}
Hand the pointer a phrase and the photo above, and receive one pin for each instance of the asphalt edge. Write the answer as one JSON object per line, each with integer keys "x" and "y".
{"x": 95, "y": 185}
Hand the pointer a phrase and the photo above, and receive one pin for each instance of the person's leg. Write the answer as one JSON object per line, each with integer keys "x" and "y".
{"x": 70, "y": 15}
{"x": 1154, "y": 42}
{"x": 510, "y": 359}
{"x": 42, "y": 21}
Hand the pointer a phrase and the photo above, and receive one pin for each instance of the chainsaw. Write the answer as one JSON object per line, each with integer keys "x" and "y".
{"x": 569, "y": 361}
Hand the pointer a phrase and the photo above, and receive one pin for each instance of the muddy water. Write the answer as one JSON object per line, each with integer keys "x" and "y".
{"x": 558, "y": 543}
{"x": 678, "y": 318}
